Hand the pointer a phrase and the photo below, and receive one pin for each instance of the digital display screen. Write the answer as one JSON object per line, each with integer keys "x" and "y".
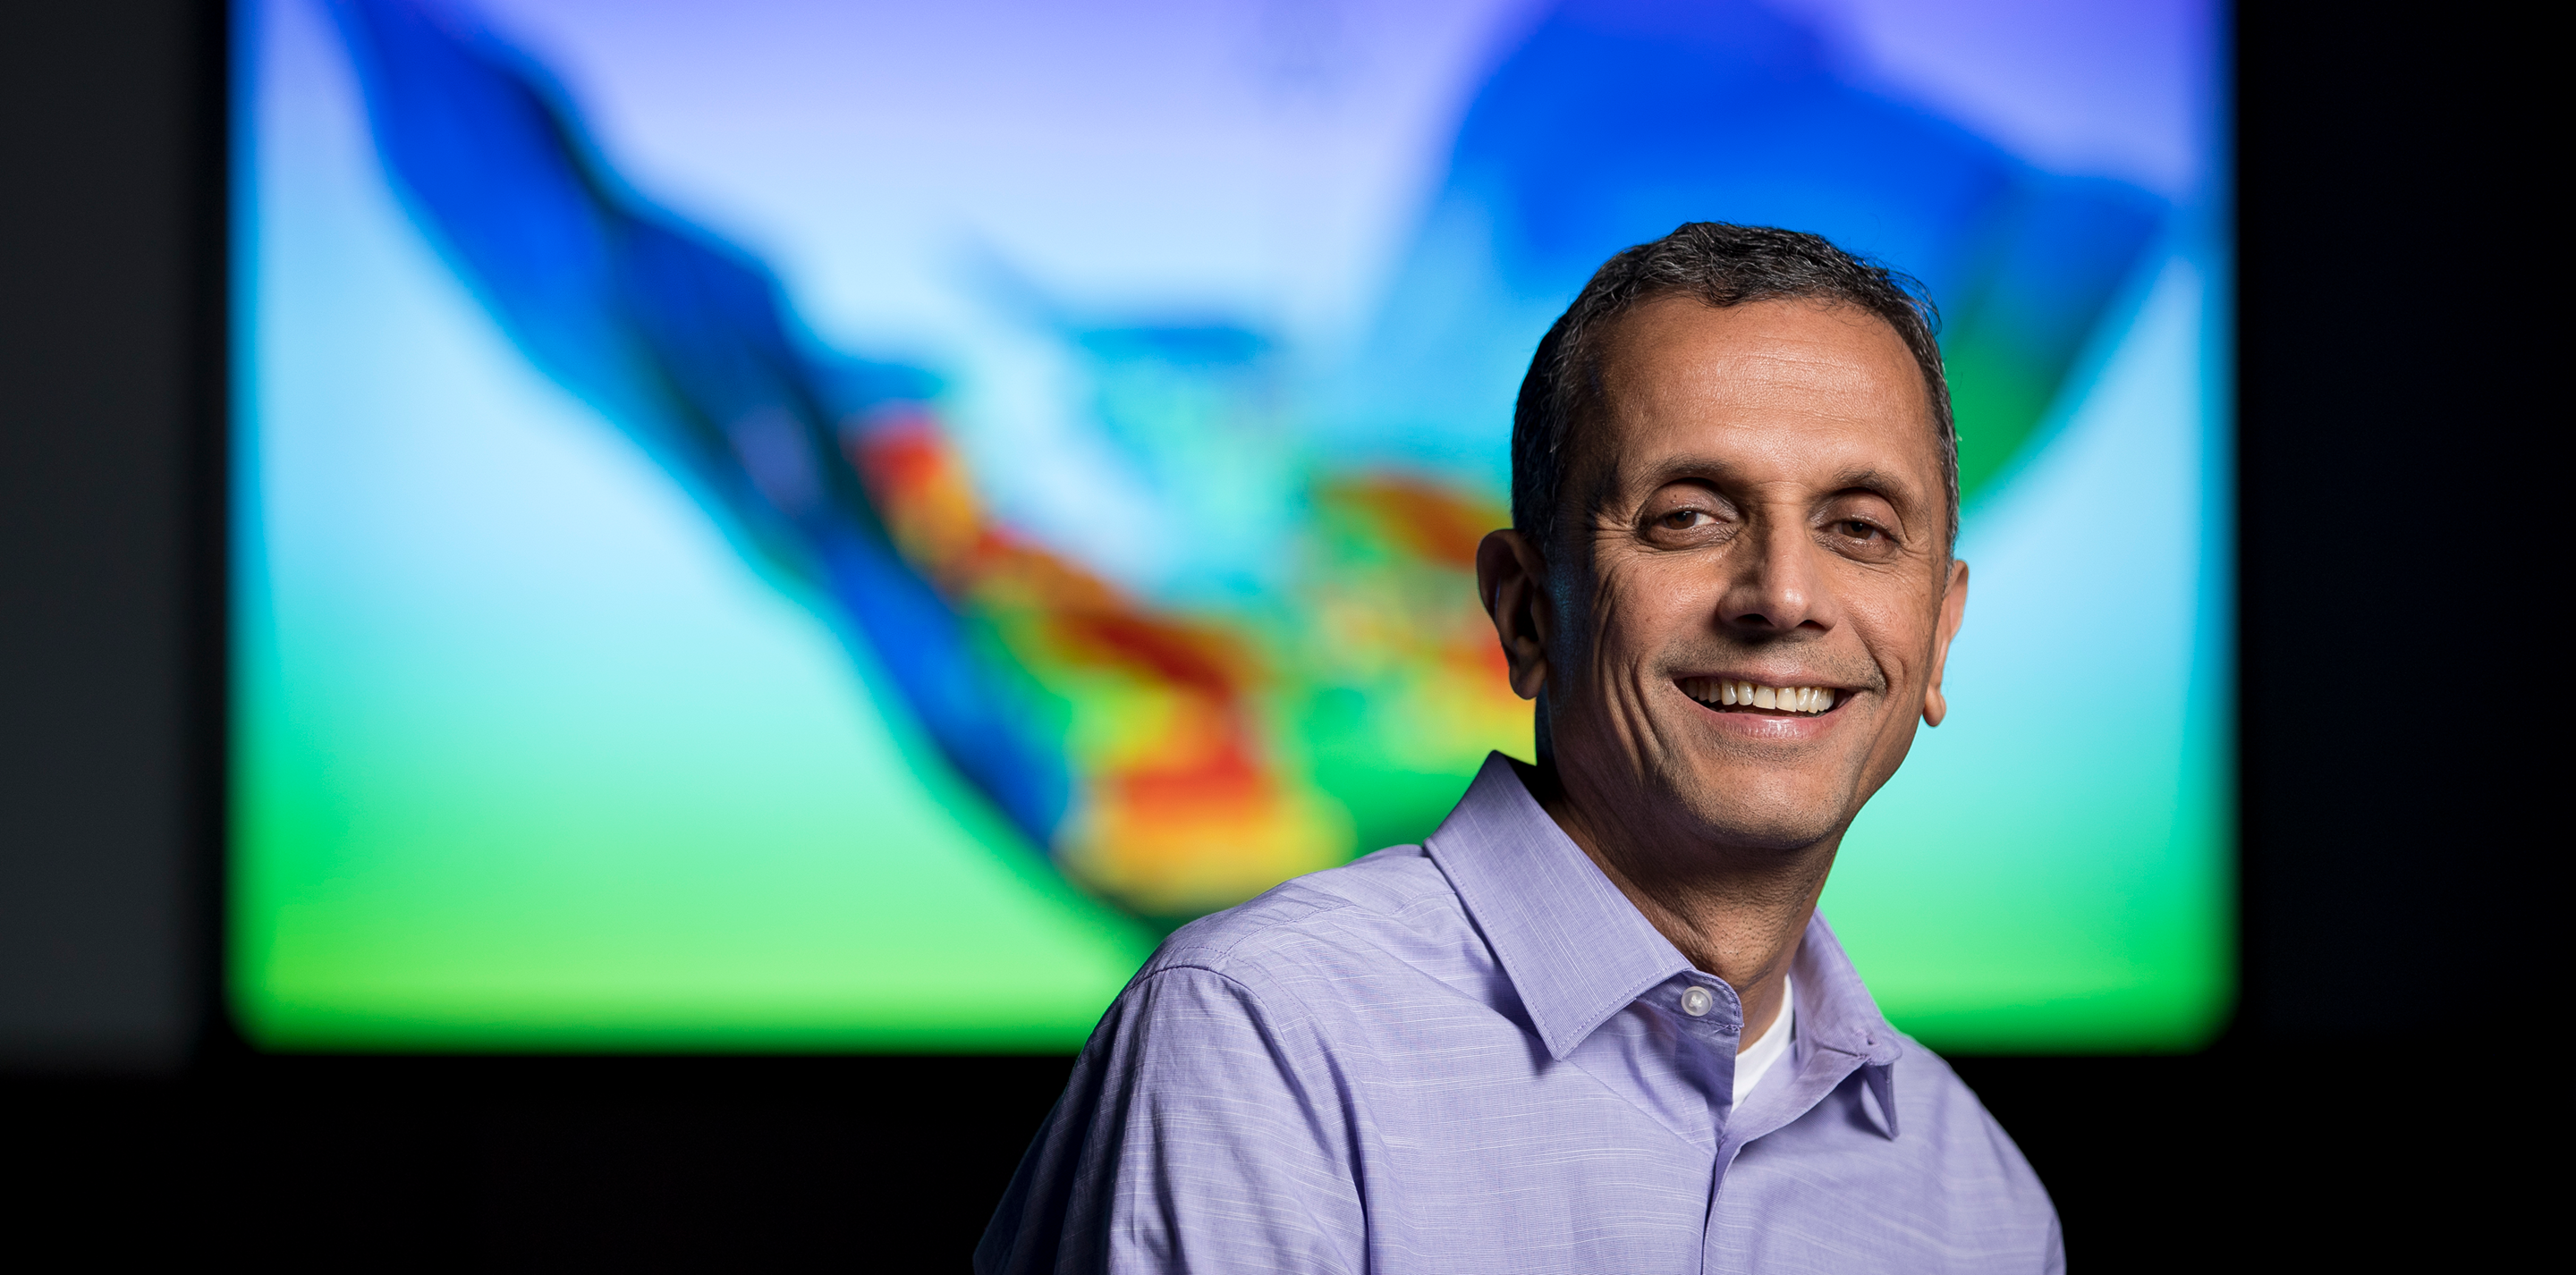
{"x": 793, "y": 526}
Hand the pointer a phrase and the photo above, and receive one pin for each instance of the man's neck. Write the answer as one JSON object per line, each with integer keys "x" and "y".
{"x": 1737, "y": 916}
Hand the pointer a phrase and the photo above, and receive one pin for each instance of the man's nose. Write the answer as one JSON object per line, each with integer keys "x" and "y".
{"x": 1773, "y": 582}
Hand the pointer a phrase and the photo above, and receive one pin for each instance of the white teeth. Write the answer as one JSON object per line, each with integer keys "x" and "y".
{"x": 1715, "y": 691}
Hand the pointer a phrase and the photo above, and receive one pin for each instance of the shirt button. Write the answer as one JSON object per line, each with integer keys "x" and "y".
{"x": 1696, "y": 1001}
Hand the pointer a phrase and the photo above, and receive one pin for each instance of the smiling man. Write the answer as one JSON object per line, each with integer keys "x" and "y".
{"x": 1593, "y": 1023}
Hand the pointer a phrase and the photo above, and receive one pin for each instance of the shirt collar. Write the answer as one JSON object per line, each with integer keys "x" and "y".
{"x": 1835, "y": 1011}
{"x": 1574, "y": 947}
{"x": 1578, "y": 951}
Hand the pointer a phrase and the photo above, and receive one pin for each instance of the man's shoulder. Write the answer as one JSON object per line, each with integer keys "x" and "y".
{"x": 1925, "y": 1076}
{"x": 1382, "y": 906}
{"x": 1943, "y": 1115}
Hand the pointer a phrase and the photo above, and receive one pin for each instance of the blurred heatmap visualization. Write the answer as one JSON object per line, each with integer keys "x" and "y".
{"x": 793, "y": 526}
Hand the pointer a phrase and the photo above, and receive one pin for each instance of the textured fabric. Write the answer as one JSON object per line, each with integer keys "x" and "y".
{"x": 1469, "y": 1056}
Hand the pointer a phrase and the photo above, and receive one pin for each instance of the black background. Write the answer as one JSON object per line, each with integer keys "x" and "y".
{"x": 2387, "y": 1094}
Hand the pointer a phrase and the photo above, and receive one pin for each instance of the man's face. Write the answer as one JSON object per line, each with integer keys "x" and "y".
{"x": 1756, "y": 503}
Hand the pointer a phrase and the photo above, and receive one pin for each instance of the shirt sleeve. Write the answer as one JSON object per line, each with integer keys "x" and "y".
{"x": 1192, "y": 1137}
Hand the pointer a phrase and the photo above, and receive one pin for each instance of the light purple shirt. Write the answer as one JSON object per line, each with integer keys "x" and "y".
{"x": 1471, "y": 1056}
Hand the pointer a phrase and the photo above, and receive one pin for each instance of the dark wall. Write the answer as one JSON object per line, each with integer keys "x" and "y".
{"x": 109, "y": 278}
{"x": 2392, "y": 491}
{"x": 2395, "y": 486}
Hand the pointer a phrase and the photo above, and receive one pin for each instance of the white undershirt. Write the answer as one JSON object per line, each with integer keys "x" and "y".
{"x": 1756, "y": 1059}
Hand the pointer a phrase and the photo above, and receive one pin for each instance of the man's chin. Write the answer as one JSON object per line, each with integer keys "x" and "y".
{"x": 1781, "y": 836}
{"x": 1765, "y": 817}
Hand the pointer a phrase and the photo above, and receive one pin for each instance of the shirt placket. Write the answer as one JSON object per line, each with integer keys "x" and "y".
{"x": 1706, "y": 1010}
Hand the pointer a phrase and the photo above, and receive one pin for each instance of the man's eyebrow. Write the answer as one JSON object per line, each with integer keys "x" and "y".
{"x": 1676, "y": 468}
{"x": 1882, "y": 482}
{"x": 1870, "y": 478}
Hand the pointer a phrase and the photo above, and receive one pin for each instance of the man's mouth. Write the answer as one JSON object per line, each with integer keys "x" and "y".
{"x": 1729, "y": 695}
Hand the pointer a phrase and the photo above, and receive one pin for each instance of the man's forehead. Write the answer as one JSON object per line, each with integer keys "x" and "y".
{"x": 1784, "y": 386}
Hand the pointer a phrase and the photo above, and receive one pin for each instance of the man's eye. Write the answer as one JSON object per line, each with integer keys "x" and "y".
{"x": 1856, "y": 529}
{"x": 1683, "y": 519}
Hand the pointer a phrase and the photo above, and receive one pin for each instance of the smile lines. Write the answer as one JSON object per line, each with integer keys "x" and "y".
{"x": 1719, "y": 691}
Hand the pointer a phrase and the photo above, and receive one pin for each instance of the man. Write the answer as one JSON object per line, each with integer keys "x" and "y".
{"x": 1593, "y": 1022}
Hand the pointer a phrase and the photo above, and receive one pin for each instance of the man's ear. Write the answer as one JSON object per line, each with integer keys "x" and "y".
{"x": 1954, "y": 609}
{"x": 1512, "y": 579}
